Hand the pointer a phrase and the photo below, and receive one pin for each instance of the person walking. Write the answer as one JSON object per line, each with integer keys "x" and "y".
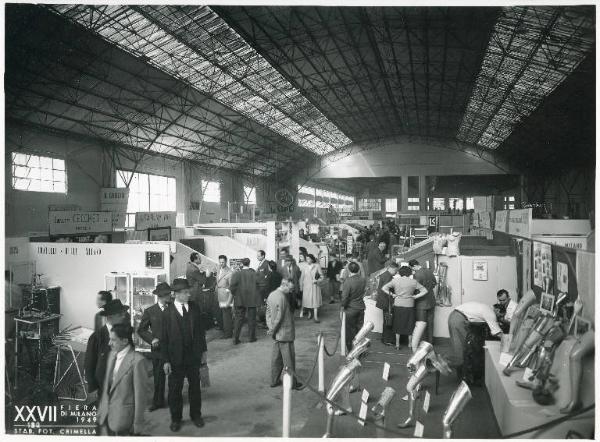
{"x": 246, "y": 299}
{"x": 309, "y": 284}
{"x": 225, "y": 297}
{"x": 126, "y": 385}
{"x": 280, "y": 320}
{"x": 352, "y": 303}
{"x": 150, "y": 330}
{"x": 425, "y": 306}
{"x": 404, "y": 302}
{"x": 183, "y": 347}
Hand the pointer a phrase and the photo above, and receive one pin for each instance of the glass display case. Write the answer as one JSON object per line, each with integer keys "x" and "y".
{"x": 142, "y": 298}
{"x": 119, "y": 284}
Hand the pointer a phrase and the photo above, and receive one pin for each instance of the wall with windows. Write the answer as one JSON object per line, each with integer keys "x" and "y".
{"x": 27, "y": 211}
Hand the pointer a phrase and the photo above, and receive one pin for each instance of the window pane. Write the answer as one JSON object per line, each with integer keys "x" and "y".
{"x": 19, "y": 158}
{"x": 45, "y": 163}
{"x": 155, "y": 201}
{"x": 21, "y": 183}
{"x": 470, "y": 203}
{"x": 58, "y": 164}
{"x": 59, "y": 175}
{"x": 391, "y": 205}
{"x": 438, "y": 204}
{"x": 46, "y": 186}
{"x": 60, "y": 186}
{"x": 46, "y": 174}
{"x": 21, "y": 172}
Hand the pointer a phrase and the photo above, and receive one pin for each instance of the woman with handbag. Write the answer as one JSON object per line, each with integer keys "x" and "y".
{"x": 403, "y": 317}
{"x": 310, "y": 283}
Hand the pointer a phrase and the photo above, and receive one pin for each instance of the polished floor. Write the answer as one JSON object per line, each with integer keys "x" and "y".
{"x": 240, "y": 402}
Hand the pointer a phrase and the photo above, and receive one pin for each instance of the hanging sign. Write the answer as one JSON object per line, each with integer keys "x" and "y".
{"x": 69, "y": 222}
{"x": 501, "y": 221}
{"x": 519, "y": 222}
{"x": 152, "y": 220}
{"x": 113, "y": 199}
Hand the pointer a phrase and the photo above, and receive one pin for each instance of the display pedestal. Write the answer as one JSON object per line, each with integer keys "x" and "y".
{"x": 515, "y": 409}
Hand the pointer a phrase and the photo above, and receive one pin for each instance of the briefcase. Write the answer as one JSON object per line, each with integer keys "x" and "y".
{"x": 204, "y": 376}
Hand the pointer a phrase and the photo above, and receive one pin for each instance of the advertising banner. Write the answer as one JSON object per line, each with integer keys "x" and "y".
{"x": 68, "y": 223}
{"x": 152, "y": 220}
{"x": 519, "y": 222}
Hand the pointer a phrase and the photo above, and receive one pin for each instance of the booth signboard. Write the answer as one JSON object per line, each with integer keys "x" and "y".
{"x": 573, "y": 242}
{"x": 501, "y": 221}
{"x": 519, "y": 222}
{"x": 152, "y": 220}
{"x": 64, "y": 207}
{"x": 68, "y": 222}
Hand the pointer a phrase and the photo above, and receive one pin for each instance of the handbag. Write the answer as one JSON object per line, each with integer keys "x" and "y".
{"x": 204, "y": 376}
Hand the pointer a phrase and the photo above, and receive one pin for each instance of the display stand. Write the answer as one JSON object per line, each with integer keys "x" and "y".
{"x": 142, "y": 298}
{"x": 515, "y": 409}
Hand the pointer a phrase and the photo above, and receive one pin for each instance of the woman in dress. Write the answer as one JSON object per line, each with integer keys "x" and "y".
{"x": 403, "y": 312}
{"x": 302, "y": 268}
{"x": 311, "y": 292}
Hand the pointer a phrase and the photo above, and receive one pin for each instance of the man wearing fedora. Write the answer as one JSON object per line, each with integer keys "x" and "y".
{"x": 183, "y": 348}
{"x": 150, "y": 330}
{"x": 98, "y": 348}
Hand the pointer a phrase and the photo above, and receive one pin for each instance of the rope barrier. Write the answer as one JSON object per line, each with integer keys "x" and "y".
{"x": 375, "y": 423}
{"x": 335, "y": 347}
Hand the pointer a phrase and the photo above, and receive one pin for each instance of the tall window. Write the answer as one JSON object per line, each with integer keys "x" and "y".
{"x": 249, "y": 195}
{"x": 38, "y": 174}
{"x": 211, "y": 191}
{"x": 438, "y": 204}
{"x": 391, "y": 205}
{"x": 455, "y": 203}
{"x": 509, "y": 202}
{"x": 369, "y": 204}
{"x": 413, "y": 204}
{"x": 147, "y": 193}
{"x": 471, "y": 203}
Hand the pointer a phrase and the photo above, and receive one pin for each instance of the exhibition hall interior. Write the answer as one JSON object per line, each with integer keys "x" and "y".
{"x": 300, "y": 221}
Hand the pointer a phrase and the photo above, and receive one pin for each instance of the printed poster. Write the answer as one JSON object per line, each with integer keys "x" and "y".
{"x": 542, "y": 266}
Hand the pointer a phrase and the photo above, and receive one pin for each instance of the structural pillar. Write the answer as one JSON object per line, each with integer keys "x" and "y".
{"x": 423, "y": 193}
{"x": 404, "y": 194}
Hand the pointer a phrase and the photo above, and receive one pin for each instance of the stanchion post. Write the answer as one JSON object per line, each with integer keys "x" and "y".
{"x": 343, "y": 335}
{"x": 321, "y": 362}
{"x": 287, "y": 402}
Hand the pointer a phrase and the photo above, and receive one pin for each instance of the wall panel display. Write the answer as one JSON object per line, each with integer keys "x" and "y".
{"x": 67, "y": 223}
{"x": 519, "y": 222}
{"x": 542, "y": 266}
{"x": 500, "y": 224}
{"x": 526, "y": 266}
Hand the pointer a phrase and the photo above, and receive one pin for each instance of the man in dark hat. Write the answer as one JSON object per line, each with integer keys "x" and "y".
{"x": 97, "y": 350}
{"x": 183, "y": 347}
{"x": 150, "y": 330}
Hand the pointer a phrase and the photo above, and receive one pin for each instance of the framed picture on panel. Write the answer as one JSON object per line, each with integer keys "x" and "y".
{"x": 159, "y": 234}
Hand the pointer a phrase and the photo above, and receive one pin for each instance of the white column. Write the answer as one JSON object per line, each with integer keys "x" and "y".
{"x": 404, "y": 194}
{"x": 271, "y": 249}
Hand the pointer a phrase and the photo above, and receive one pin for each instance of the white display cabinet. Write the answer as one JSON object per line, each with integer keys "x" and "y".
{"x": 119, "y": 284}
{"x": 142, "y": 298}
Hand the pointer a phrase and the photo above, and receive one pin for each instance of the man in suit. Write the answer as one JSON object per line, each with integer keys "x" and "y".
{"x": 280, "y": 320}
{"x": 246, "y": 299}
{"x": 96, "y": 354}
{"x": 334, "y": 268}
{"x": 375, "y": 259}
{"x": 353, "y": 290}
{"x": 102, "y": 298}
{"x": 290, "y": 270}
{"x": 195, "y": 277}
{"x": 262, "y": 284}
{"x": 123, "y": 401}
{"x": 150, "y": 330}
{"x": 183, "y": 348}
{"x": 384, "y": 302}
{"x": 225, "y": 297}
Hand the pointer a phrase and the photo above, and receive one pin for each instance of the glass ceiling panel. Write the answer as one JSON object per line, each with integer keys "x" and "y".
{"x": 195, "y": 45}
{"x": 531, "y": 51}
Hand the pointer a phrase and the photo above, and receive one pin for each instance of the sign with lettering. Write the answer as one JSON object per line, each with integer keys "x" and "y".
{"x": 501, "y": 221}
{"x": 68, "y": 222}
{"x": 152, "y": 220}
{"x": 519, "y": 222}
{"x": 114, "y": 195}
{"x": 572, "y": 242}
{"x": 115, "y": 200}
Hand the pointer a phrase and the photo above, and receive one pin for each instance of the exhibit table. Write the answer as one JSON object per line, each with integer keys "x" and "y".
{"x": 515, "y": 409}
